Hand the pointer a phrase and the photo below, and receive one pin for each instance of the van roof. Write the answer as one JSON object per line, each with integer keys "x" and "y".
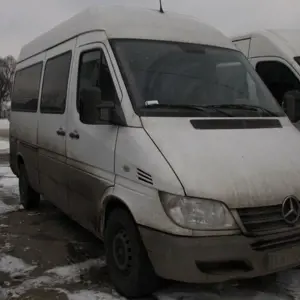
{"x": 282, "y": 38}
{"x": 128, "y": 22}
{"x": 290, "y": 36}
{"x": 291, "y": 33}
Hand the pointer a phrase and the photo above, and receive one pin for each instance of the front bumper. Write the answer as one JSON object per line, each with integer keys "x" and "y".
{"x": 221, "y": 258}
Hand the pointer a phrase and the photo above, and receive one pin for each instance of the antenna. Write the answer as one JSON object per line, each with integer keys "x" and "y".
{"x": 161, "y": 7}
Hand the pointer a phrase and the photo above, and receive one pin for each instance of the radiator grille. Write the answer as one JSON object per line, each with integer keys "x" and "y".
{"x": 264, "y": 220}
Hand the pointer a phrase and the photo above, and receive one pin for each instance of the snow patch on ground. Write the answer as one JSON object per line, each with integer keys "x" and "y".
{"x": 9, "y": 186}
{"x": 4, "y": 124}
{"x": 14, "y": 266}
{"x": 4, "y": 145}
{"x": 56, "y": 276}
{"x": 6, "y": 171}
{"x": 4, "y": 208}
{"x": 72, "y": 273}
{"x": 8, "y": 182}
{"x": 27, "y": 285}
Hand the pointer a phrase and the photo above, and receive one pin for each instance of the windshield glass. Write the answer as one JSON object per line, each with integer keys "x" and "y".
{"x": 172, "y": 75}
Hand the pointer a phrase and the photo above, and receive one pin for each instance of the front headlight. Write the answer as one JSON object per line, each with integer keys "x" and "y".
{"x": 197, "y": 214}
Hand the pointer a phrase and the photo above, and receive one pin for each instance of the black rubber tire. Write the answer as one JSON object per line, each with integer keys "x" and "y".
{"x": 29, "y": 198}
{"x": 140, "y": 279}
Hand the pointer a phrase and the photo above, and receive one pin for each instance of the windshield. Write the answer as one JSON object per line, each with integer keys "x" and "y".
{"x": 172, "y": 75}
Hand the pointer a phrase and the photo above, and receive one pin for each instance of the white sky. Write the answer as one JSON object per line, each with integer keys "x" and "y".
{"x": 23, "y": 20}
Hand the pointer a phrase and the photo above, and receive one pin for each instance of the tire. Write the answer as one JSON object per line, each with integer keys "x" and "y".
{"x": 128, "y": 263}
{"x": 29, "y": 198}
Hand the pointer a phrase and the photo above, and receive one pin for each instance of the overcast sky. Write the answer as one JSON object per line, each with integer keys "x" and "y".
{"x": 23, "y": 20}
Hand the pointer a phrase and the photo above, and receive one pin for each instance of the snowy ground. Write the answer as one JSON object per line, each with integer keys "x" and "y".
{"x": 4, "y": 124}
{"x": 4, "y": 128}
{"x": 44, "y": 255}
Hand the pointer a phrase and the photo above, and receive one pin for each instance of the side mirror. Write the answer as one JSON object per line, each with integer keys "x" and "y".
{"x": 106, "y": 111}
{"x": 93, "y": 110}
{"x": 291, "y": 105}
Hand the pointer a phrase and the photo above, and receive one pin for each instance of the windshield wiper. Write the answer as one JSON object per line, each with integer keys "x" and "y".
{"x": 202, "y": 108}
{"x": 245, "y": 107}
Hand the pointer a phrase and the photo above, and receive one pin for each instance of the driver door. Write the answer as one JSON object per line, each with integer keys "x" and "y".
{"x": 90, "y": 148}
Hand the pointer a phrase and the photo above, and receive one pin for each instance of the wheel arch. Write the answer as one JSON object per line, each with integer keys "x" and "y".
{"x": 110, "y": 203}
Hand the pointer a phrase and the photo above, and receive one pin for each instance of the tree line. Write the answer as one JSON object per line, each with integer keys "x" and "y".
{"x": 7, "y": 73}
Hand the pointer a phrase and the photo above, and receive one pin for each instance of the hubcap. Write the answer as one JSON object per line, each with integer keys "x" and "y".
{"x": 122, "y": 251}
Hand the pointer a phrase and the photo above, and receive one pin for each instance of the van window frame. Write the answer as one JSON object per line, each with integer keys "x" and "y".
{"x": 102, "y": 51}
{"x": 78, "y": 73}
{"x": 39, "y": 87}
{"x": 67, "y": 90}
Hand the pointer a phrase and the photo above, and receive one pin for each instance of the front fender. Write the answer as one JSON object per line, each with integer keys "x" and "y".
{"x": 144, "y": 205}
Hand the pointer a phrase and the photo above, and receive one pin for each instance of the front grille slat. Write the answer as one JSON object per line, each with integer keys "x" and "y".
{"x": 268, "y": 228}
{"x": 264, "y": 220}
{"x": 257, "y": 211}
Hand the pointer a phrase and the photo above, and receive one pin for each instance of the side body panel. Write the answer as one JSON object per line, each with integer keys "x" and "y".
{"x": 23, "y": 134}
{"x": 52, "y": 146}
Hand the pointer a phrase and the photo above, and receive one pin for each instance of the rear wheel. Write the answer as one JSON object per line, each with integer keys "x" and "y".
{"x": 128, "y": 263}
{"x": 29, "y": 198}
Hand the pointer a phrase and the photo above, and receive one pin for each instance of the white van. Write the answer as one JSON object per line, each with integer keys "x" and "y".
{"x": 152, "y": 131}
{"x": 275, "y": 54}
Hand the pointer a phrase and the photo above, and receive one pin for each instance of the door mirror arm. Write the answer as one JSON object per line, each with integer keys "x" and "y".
{"x": 111, "y": 113}
{"x": 95, "y": 111}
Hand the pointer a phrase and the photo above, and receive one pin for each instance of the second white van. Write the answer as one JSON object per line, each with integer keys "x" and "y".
{"x": 275, "y": 54}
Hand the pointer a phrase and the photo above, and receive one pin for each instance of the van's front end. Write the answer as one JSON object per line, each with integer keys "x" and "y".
{"x": 234, "y": 152}
{"x": 241, "y": 199}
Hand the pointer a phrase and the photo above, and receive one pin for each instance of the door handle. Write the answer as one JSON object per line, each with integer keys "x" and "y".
{"x": 60, "y": 132}
{"x": 74, "y": 135}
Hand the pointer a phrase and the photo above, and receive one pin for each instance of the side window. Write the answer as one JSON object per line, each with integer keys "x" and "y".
{"x": 94, "y": 79}
{"x": 278, "y": 78}
{"x": 55, "y": 85}
{"x": 26, "y": 89}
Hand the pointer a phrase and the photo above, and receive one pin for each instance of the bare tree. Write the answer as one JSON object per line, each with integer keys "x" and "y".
{"x": 7, "y": 72}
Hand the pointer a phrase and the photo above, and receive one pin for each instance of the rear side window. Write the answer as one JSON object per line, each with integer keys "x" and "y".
{"x": 55, "y": 85}
{"x": 26, "y": 89}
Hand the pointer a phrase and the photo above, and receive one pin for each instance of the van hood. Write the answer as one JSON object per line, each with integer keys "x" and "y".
{"x": 241, "y": 167}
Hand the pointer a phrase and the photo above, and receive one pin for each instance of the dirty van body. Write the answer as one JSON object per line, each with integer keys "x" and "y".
{"x": 162, "y": 140}
{"x": 275, "y": 55}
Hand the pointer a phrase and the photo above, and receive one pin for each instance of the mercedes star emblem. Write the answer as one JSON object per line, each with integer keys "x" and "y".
{"x": 291, "y": 210}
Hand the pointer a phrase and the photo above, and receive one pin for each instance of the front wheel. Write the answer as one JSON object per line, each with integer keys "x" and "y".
{"x": 128, "y": 263}
{"x": 29, "y": 198}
